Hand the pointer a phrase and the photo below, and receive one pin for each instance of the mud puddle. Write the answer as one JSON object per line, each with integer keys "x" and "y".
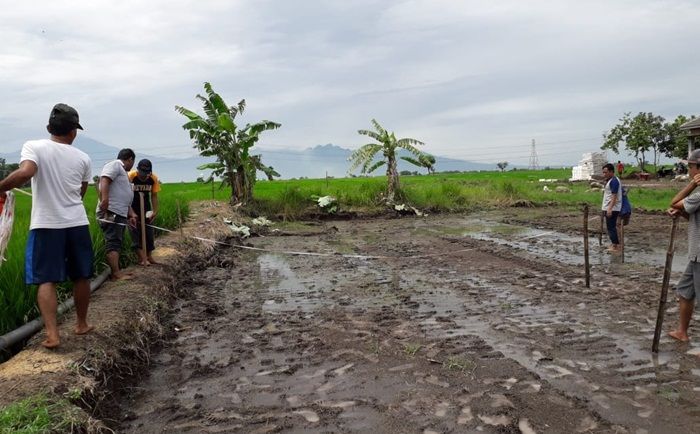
{"x": 565, "y": 247}
{"x": 487, "y": 340}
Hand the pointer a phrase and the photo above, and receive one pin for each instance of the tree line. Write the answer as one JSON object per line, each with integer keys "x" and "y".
{"x": 648, "y": 134}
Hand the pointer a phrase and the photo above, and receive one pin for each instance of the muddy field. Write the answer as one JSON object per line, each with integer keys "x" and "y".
{"x": 474, "y": 323}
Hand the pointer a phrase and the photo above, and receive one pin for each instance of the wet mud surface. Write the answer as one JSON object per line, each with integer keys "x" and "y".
{"x": 495, "y": 332}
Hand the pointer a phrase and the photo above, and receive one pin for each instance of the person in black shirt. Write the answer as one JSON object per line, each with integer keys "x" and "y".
{"x": 145, "y": 182}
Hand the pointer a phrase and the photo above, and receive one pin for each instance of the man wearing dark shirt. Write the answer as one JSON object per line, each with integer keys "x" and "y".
{"x": 144, "y": 182}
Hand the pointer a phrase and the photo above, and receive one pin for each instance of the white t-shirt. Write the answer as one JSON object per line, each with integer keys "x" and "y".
{"x": 61, "y": 170}
{"x": 120, "y": 192}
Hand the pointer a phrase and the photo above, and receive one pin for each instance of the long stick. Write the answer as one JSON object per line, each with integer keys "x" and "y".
{"x": 600, "y": 235}
{"x": 585, "y": 246}
{"x": 622, "y": 240}
{"x": 143, "y": 225}
{"x": 664, "y": 288}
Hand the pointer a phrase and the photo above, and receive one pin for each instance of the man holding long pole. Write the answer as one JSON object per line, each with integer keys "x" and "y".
{"x": 146, "y": 186}
{"x": 687, "y": 205}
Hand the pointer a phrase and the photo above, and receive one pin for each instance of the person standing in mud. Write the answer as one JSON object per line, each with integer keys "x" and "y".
{"x": 612, "y": 204}
{"x": 59, "y": 246}
{"x": 114, "y": 207}
{"x": 686, "y": 204}
{"x": 145, "y": 182}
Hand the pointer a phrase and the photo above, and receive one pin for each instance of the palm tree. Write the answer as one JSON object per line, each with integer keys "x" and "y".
{"x": 217, "y": 135}
{"x": 387, "y": 145}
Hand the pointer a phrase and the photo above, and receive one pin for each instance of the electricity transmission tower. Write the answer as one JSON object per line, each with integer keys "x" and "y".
{"x": 534, "y": 164}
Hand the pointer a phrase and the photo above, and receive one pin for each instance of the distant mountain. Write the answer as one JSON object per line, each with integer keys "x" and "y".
{"x": 314, "y": 162}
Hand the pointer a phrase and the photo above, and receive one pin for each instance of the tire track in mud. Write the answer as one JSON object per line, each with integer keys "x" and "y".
{"x": 589, "y": 343}
{"x": 485, "y": 340}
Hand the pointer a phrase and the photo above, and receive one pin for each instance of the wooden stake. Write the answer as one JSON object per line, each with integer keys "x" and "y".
{"x": 600, "y": 235}
{"x": 664, "y": 288}
{"x": 585, "y": 246}
{"x": 142, "y": 207}
{"x": 622, "y": 240}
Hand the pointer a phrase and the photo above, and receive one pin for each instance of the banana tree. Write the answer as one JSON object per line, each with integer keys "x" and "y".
{"x": 388, "y": 144}
{"x": 217, "y": 135}
{"x": 426, "y": 161}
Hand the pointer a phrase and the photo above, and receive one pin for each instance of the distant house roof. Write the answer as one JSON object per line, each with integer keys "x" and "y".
{"x": 691, "y": 124}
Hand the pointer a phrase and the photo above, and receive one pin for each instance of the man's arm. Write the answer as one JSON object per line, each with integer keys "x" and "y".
{"x": 154, "y": 205}
{"x": 83, "y": 189}
{"x": 19, "y": 177}
{"x": 105, "y": 182}
{"x": 677, "y": 201}
{"x": 613, "y": 200}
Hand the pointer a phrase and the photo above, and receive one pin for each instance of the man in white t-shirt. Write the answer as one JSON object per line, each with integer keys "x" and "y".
{"x": 59, "y": 245}
{"x": 114, "y": 207}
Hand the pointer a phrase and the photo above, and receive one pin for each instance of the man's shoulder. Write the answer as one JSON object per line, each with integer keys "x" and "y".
{"x": 81, "y": 154}
{"x": 36, "y": 143}
{"x": 112, "y": 164}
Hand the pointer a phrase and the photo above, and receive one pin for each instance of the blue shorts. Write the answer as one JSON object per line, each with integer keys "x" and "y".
{"x": 57, "y": 255}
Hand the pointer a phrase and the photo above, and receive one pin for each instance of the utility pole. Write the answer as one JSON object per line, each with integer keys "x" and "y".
{"x": 534, "y": 164}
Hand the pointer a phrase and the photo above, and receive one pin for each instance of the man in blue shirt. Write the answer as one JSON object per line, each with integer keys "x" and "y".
{"x": 612, "y": 204}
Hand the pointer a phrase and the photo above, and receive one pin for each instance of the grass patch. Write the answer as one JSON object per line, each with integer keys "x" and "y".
{"x": 39, "y": 414}
{"x": 669, "y": 393}
{"x": 411, "y": 349}
{"x": 456, "y": 363}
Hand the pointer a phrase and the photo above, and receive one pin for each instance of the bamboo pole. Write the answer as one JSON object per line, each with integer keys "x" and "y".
{"x": 585, "y": 246}
{"x": 142, "y": 207}
{"x": 664, "y": 288}
{"x": 600, "y": 235}
{"x": 622, "y": 240}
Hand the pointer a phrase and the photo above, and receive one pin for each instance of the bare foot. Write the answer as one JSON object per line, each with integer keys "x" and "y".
{"x": 153, "y": 261}
{"x": 144, "y": 263}
{"x": 81, "y": 330}
{"x": 679, "y": 335}
{"x": 120, "y": 276}
{"x": 51, "y": 343}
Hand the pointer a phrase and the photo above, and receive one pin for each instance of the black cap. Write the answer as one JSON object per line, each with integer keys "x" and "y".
{"x": 693, "y": 158}
{"x": 63, "y": 115}
{"x": 144, "y": 167}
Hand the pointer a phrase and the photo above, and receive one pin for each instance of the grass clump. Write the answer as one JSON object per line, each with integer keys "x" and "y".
{"x": 456, "y": 363}
{"x": 411, "y": 349}
{"x": 39, "y": 414}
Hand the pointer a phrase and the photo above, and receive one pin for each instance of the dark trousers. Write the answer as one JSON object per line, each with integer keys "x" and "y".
{"x": 612, "y": 226}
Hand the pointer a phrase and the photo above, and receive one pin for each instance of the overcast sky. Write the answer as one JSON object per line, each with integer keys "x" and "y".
{"x": 472, "y": 79}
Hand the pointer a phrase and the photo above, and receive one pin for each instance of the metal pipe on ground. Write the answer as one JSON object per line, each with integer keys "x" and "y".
{"x": 32, "y": 327}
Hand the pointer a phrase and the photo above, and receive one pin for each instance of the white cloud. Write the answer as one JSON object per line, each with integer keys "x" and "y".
{"x": 462, "y": 76}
